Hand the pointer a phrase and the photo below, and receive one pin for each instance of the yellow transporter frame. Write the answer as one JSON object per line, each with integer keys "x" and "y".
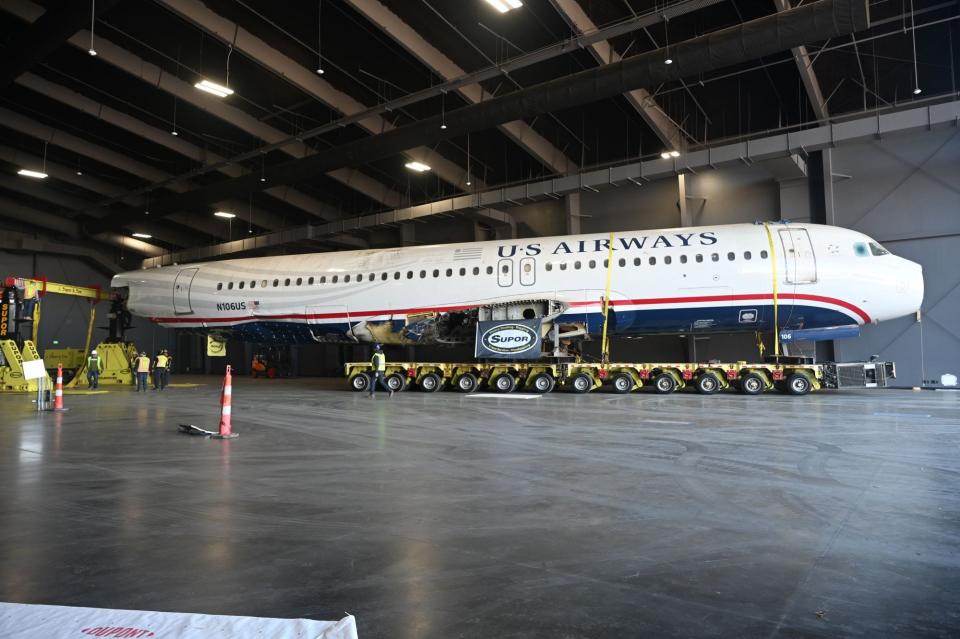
{"x": 11, "y": 374}
{"x": 542, "y": 377}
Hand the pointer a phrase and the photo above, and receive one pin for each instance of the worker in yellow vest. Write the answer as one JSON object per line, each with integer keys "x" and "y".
{"x": 379, "y": 365}
{"x": 160, "y": 367}
{"x": 94, "y": 368}
{"x": 141, "y": 368}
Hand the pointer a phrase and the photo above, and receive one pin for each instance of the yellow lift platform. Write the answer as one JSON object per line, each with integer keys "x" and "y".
{"x": 116, "y": 355}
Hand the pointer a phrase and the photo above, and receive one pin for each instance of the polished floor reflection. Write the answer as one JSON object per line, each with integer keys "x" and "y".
{"x": 449, "y": 516}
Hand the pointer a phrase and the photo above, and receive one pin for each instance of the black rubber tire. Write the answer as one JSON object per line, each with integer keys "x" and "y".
{"x": 581, "y": 383}
{"x": 621, "y": 383}
{"x": 504, "y": 383}
{"x": 664, "y": 384}
{"x": 467, "y": 383}
{"x": 360, "y": 382}
{"x": 396, "y": 382}
{"x": 542, "y": 383}
{"x": 798, "y": 384}
{"x": 430, "y": 383}
{"x": 752, "y": 384}
{"x": 708, "y": 384}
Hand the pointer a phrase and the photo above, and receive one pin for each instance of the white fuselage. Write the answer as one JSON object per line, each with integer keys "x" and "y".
{"x": 703, "y": 279}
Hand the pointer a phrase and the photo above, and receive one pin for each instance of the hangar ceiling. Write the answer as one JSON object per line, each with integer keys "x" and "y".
{"x": 126, "y": 129}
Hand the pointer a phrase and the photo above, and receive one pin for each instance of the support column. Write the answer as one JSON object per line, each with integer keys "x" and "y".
{"x": 408, "y": 234}
{"x": 827, "y": 173}
{"x": 571, "y": 212}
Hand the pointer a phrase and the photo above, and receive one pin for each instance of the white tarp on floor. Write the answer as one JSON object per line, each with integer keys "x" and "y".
{"x": 56, "y": 622}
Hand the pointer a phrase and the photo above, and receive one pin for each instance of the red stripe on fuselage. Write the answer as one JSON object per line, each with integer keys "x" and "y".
{"x": 442, "y": 309}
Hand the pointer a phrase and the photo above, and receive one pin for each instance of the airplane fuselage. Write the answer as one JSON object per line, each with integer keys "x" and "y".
{"x": 683, "y": 280}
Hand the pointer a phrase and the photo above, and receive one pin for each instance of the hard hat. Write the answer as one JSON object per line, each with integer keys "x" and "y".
{"x": 376, "y": 347}
{"x": 93, "y": 352}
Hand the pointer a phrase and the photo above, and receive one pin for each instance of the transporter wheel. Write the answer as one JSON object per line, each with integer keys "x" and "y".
{"x": 621, "y": 383}
{"x": 360, "y": 382}
{"x": 664, "y": 383}
{"x": 581, "y": 383}
{"x": 430, "y": 383}
{"x": 504, "y": 383}
{"x": 752, "y": 384}
{"x": 467, "y": 383}
{"x": 396, "y": 382}
{"x": 542, "y": 383}
{"x": 708, "y": 384}
{"x": 798, "y": 384}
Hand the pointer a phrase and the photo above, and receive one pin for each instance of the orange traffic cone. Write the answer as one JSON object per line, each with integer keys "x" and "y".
{"x": 58, "y": 392}
{"x": 226, "y": 407}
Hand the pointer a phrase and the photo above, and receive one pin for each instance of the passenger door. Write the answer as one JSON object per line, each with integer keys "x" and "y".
{"x": 801, "y": 263}
{"x": 181, "y": 291}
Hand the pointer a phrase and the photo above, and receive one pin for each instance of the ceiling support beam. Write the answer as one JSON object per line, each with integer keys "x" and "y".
{"x": 306, "y": 80}
{"x": 21, "y": 242}
{"x": 518, "y": 131}
{"x": 807, "y": 76}
{"x": 640, "y": 99}
{"x": 152, "y": 74}
{"x": 175, "y": 143}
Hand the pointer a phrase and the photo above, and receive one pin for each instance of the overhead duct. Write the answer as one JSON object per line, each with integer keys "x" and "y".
{"x": 814, "y": 22}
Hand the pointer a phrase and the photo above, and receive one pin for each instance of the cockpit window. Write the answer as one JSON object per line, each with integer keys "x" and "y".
{"x": 860, "y": 249}
{"x": 876, "y": 249}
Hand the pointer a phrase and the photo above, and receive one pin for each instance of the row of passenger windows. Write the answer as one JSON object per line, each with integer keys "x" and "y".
{"x": 462, "y": 271}
{"x": 652, "y": 261}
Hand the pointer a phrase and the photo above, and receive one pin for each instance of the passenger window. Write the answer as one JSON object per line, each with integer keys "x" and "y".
{"x": 593, "y": 264}
{"x": 747, "y": 255}
{"x": 372, "y": 277}
{"x": 263, "y": 284}
{"x": 334, "y": 279}
{"x": 504, "y": 269}
{"x": 549, "y": 266}
{"x": 346, "y": 279}
{"x": 383, "y": 277}
{"x": 876, "y": 249}
{"x": 699, "y": 258}
{"x": 220, "y": 286}
{"x": 637, "y": 261}
{"x": 606, "y": 263}
{"x": 230, "y": 286}
{"x": 653, "y": 261}
{"x": 623, "y": 262}
{"x": 436, "y": 272}
{"x": 310, "y": 282}
{"x": 715, "y": 257}
{"x": 253, "y": 284}
{"x": 463, "y": 271}
{"x": 359, "y": 277}
{"x": 449, "y": 272}
{"x": 731, "y": 256}
{"x": 299, "y": 281}
{"x": 683, "y": 259}
{"x": 667, "y": 259}
{"x": 241, "y": 284}
{"x": 409, "y": 275}
{"x": 489, "y": 270}
{"x": 563, "y": 266}
{"x": 576, "y": 265}
{"x": 286, "y": 282}
{"x": 396, "y": 275}
{"x": 476, "y": 270}
{"x": 323, "y": 279}
{"x": 763, "y": 255}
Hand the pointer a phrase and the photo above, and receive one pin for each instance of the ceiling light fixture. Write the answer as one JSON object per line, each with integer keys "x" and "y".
{"x": 505, "y": 5}
{"x": 668, "y": 61}
{"x": 443, "y": 109}
{"x": 173, "y": 132}
{"x": 319, "y": 37}
{"x": 93, "y": 17}
{"x": 225, "y": 214}
{"x": 674, "y": 154}
{"x": 33, "y": 174}
{"x": 666, "y": 36}
{"x": 913, "y": 40}
{"x": 419, "y": 167}
{"x": 142, "y": 236}
{"x": 468, "y": 160}
{"x": 213, "y": 88}
{"x": 665, "y": 155}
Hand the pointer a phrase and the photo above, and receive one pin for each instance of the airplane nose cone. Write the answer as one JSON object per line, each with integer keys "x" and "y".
{"x": 910, "y": 286}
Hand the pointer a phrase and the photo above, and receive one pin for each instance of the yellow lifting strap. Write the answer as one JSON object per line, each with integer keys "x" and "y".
{"x": 604, "y": 343}
{"x": 776, "y": 301}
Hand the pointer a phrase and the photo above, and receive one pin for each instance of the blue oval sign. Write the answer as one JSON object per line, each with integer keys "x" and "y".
{"x": 509, "y": 339}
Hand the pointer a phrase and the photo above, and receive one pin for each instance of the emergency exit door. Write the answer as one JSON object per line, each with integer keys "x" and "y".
{"x": 505, "y": 272}
{"x": 528, "y": 271}
{"x": 181, "y": 291}
{"x": 801, "y": 263}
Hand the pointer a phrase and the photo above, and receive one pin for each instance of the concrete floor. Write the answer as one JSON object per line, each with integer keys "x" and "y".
{"x": 451, "y": 516}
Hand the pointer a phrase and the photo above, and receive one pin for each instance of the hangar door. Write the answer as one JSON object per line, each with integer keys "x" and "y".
{"x": 801, "y": 264}
{"x": 181, "y": 291}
